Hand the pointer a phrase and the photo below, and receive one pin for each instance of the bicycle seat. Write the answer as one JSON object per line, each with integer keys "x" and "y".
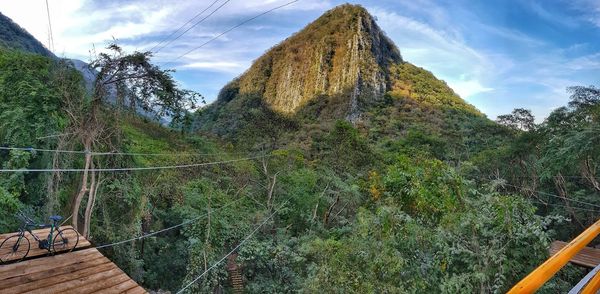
{"x": 56, "y": 218}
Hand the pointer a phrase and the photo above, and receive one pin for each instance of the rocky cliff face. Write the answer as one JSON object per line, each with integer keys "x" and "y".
{"x": 341, "y": 66}
{"x": 344, "y": 51}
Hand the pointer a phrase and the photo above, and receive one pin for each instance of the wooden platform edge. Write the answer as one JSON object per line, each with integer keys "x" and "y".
{"x": 588, "y": 257}
{"x": 84, "y": 271}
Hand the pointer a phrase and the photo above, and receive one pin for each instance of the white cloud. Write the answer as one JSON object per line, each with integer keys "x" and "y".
{"x": 468, "y": 88}
{"x": 512, "y": 35}
{"x": 429, "y": 34}
{"x": 589, "y": 10}
{"x": 543, "y": 13}
{"x": 224, "y": 66}
{"x": 442, "y": 52}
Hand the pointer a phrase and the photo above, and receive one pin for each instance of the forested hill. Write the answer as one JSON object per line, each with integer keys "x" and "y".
{"x": 342, "y": 66}
{"x": 332, "y": 165}
{"x": 12, "y": 36}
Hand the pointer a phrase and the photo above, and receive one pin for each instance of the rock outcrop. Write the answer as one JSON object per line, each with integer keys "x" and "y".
{"x": 343, "y": 51}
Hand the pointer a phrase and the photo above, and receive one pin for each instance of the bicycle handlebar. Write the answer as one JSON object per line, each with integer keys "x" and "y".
{"x": 27, "y": 220}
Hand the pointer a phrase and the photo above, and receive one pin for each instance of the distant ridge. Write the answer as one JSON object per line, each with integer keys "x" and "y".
{"x": 12, "y": 36}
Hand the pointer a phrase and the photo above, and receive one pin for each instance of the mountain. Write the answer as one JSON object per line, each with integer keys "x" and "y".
{"x": 340, "y": 66}
{"x": 342, "y": 51}
{"x": 13, "y": 36}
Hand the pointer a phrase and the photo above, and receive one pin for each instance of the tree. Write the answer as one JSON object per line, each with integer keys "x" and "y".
{"x": 140, "y": 85}
{"x": 519, "y": 119}
{"x": 582, "y": 97}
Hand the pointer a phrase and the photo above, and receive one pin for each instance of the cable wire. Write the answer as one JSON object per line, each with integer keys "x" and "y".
{"x": 51, "y": 36}
{"x": 231, "y": 29}
{"x": 133, "y": 168}
{"x": 564, "y": 206}
{"x": 54, "y": 136}
{"x": 556, "y": 196}
{"x": 234, "y": 249}
{"x": 193, "y": 26}
{"x": 120, "y": 153}
{"x": 172, "y": 227}
{"x": 181, "y": 27}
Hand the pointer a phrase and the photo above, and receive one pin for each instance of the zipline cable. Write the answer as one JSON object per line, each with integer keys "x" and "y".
{"x": 193, "y": 26}
{"x": 556, "y": 196}
{"x": 172, "y": 227}
{"x": 231, "y": 29}
{"x": 54, "y": 136}
{"x": 118, "y": 153}
{"x": 181, "y": 27}
{"x": 234, "y": 249}
{"x": 564, "y": 206}
{"x": 134, "y": 168}
{"x": 542, "y": 177}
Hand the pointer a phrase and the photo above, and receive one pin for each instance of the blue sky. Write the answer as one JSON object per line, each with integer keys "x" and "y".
{"x": 498, "y": 55}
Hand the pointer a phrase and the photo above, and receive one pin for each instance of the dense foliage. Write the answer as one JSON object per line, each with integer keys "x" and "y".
{"x": 356, "y": 217}
{"x": 12, "y": 36}
{"x": 423, "y": 194}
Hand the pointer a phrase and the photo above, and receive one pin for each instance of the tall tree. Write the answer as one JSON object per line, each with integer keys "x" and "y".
{"x": 141, "y": 86}
{"x": 519, "y": 119}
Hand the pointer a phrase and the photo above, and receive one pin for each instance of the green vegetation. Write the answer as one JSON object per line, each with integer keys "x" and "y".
{"x": 12, "y": 36}
{"x": 421, "y": 194}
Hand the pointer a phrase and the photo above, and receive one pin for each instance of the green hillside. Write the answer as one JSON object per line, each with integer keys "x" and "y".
{"x": 12, "y": 36}
{"x": 359, "y": 173}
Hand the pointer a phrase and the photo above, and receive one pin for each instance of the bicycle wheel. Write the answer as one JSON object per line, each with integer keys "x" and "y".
{"x": 65, "y": 240}
{"x": 14, "y": 248}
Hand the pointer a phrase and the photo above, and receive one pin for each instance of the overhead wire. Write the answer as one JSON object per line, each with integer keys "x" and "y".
{"x": 134, "y": 168}
{"x": 556, "y": 196}
{"x": 567, "y": 176}
{"x": 50, "y": 35}
{"x": 171, "y": 227}
{"x": 233, "y": 250}
{"x": 54, "y": 136}
{"x": 231, "y": 29}
{"x": 565, "y": 206}
{"x": 119, "y": 153}
{"x": 181, "y": 27}
{"x": 194, "y": 25}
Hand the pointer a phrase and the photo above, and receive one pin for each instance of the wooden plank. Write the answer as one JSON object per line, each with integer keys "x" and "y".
{"x": 84, "y": 271}
{"x": 72, "y": 285}
{"x": 103, "y": 284}
{"x": 41, "y": 234}
{"x": 55, "y": 274}
{"x": 46, "y": 263}
{"x": 52, "y": 282}
{"x": 119, "y": 288}
{"x": 136, "y": 290}
{"x": 587, "y": 257}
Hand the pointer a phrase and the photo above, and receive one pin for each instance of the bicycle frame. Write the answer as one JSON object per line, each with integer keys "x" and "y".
{"x": 27, "y": 228}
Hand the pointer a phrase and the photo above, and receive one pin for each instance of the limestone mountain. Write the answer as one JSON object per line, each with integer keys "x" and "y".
{"x": 343, "y": 50}
{"x": 341, "y": 66}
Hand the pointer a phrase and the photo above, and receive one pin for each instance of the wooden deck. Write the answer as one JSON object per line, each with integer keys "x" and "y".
{"x": 84, "y": 271}
{"x": 587, "y": 257}
{"x": 80, "y": 271}
{"x": 34, "y": 250}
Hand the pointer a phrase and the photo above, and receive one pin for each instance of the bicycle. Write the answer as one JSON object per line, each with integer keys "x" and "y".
{"x": 15, "y": 248}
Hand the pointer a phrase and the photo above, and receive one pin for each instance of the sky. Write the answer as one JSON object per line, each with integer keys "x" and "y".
{"x": 498, "y": 55}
